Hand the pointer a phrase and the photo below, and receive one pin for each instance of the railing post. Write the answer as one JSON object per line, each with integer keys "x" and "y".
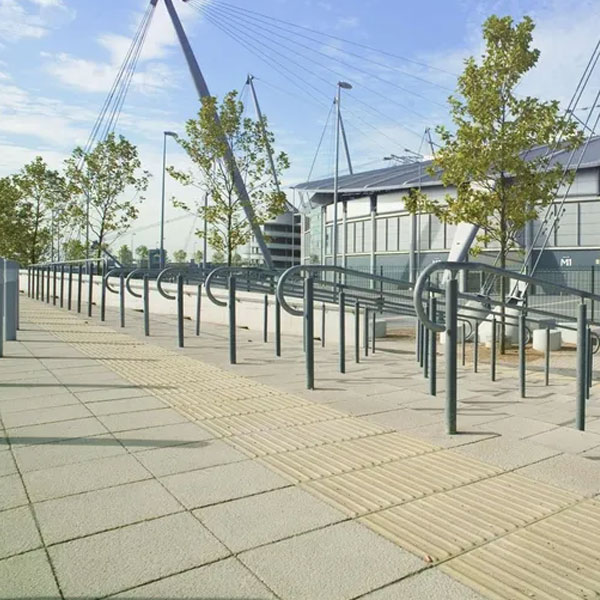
{"x": 70, "y": 289}
{"x": 593, "y": 286}
{"x": 581, "y": 366}
{"x": 590, "y": 358}
{"x": 48, "y": 287}
{"x": 198, "y": 308}
{"x": 54, "y": 286}
{"x": 266, "y": 319}
{"x": 342, "y": 327}
{"x": 433, "y": 349}
{"x": 42, "y": 285}
{"x": 122, "y": 300}
{"x": 103, "y": 297}
{"x": 356, "y": 331}
{"x": 309, "y": 332}
{"x": 277, "y": 327}
{"x": 62, "y": 286}
{"x": 493, "y": 349}
{"x": 146, "y": 292}
{"x": 90, "y": 288}
{"x": 522, "y": 355}
{"x": 421, "y": 344}
{"x": 180, "y": 311}
{"x": 451, "y": 366}
{"x": 323, "y": 325}
{"x": 547, "y": 358}
{"x": 366, "y": 331}
{"x": 2, "y": 284}
{"x": 79, "y": 288}
{"x": 373, "y": 325}
{"x": 463, "y": 344}
{"x": 29, "y": 282}
{"x": 425, "y": 343}
{"x": 231, "y": 304}
{"x": 476, "y": 347}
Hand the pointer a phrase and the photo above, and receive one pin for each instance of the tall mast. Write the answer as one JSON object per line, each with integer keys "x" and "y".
{"x": 346, "y": 147}
{"x": 203, "y": 92}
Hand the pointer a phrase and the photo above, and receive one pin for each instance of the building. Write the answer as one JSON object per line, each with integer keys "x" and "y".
{"x": 377, "y": 234}
{"x": 283, "y": 238}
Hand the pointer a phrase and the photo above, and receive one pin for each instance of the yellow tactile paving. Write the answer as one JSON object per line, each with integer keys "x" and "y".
{"x": 448, "y": 524}
{"x": 503, "y": 534}
{"x": 371, "y": 489}
{"x": 557, "y": 558}
{"x": 342, "y": 457}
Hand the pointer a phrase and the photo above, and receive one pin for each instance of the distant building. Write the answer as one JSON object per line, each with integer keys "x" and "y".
{"x": 154, "y": 257}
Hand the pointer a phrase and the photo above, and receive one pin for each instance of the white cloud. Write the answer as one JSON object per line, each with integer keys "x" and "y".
{"x": 20, "y": 20}
{"x": 347, "y": 23}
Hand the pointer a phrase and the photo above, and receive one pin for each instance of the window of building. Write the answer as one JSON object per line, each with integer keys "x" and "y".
{"x": 405, "y": 232}
{"x": 589, "y": 214}
{"x": 350, "y": 244}
{"x": 381, "y": 240}
{"x": 566, "y": 232}
{"x": 436, "y": 233}
{"x": 367, "y": 236}
{"x": 328, "y": 239}
{"x": 423, "y": 232}
{"x": 392, "y": 234}
{"x": 359, "y": 229}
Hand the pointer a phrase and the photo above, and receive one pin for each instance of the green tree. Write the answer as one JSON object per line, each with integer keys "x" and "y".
{"x": 180, "y": 256}
{"x": 500, "y": 185}
{"x": 206, "y": 145}
{"x": 218, "y": 257}
{"x": 74, "y": 250}
{"x": 108, "y": 181}
{"x": 15, "y": 223}
{"x": 124, "y": 255}
{"x": 43, "y": 194}
{"x": 142, "y": 253}
{"x": 198, "y": 256}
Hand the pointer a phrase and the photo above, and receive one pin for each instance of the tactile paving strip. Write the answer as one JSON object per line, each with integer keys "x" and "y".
{"x": 557, "y": 558}
{"x": 371, "y": 489}
{"x": 342, "y": 457}
{"x": 450, "y": 523}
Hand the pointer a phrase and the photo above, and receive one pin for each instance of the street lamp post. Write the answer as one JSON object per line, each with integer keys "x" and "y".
{"x": 162, "y": 204}
{"x": 346, "y": 86}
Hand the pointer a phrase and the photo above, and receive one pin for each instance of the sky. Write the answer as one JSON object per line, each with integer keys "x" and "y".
{"x": 58, "y": 59}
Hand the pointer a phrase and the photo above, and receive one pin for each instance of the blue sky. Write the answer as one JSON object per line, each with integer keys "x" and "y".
{"x": 58, "y": 59}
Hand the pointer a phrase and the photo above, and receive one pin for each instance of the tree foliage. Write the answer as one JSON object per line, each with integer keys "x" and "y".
{"x": 109, "y": 181}
{"x": 198, "y": 256}
{"x": 14, "y": 223}
{"x": 142, "y": 254}
{"x": 124, "y": 255}
{"x": 74, "y": 250}
{"x": 180, "y": 256}
{"x": 206, "y": 146}
{"x": 501, "y": 181}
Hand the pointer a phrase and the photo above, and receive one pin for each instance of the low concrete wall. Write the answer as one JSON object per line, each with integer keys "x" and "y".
{"x": 250, "y": 307}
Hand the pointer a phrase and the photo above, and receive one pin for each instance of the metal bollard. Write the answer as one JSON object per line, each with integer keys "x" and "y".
{"x": 421, "y": 344}
{"x": 425, "y": 344}
{"x": 48, "y": 287}
{"x": 309, "y": 332}
{"x": 90, "y": 288}
{"x": 589, "y": 357}
{"x": 122, "y": 300}
{"x": 342, "y": 326}
{"x": 451, "y": 367}
{"x": 581, "y": 367}
{"x": 493, "y": 350}
{"x": 547, "y": 358}
{"x": 277, "y": 327}
{"x": 11, "y": 290}
{"x": 62, "y": 286}
{"x": 42, "y": 283}
{"x": 417, "y": 339}
{"x": 103, "y": 284}
{"x": 1, "y": 307}
{"x": 198, "y": 308}
{"x": 79, "y": 284}
{"x": 266, "y": 319}
{"x": 323, "y": 325}
{"x": 522, "y": 355}
{"x": 37, "y": 283}
{"x": 54, "y": 286}
{"x": 366, "y": 332}
{"x": 433, "y": 350}
{"x": 463, "y": 342}
{"x": 70, "y": 290}
{"x": 357, "y": 331}
{"x": 146, "y": 300}
{"x": 232, "y": 332}
{"x": 29, "y": 282}
{"x": 476, "y": 347}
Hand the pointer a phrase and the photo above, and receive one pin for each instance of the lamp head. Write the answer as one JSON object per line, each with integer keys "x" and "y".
{"x": 170, "y": 133}
{"x": 345, "y": 85}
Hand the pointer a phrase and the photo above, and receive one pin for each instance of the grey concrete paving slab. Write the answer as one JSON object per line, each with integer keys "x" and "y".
{"x": 18, "y": 532}
{"x": 436, "y": 435}
{"x": 219, "y": 484}
{"x": 12, "y": 492}
{"x": 128, "y": 557}
{"x": 138, "y": 440}
{"x": 55, "y": 432}
{"x": 67, "y": 451}
{"x": 565, "y": 439}
{"x": 365, "y": 406}
{"x": 7, "y": 464}
{"x": 141, "y": 420}
{"x": 20, "y": 404}
{"x": 41, "y": 416}
{"x": 431, "y": 584}
{"x": 27, "y": 576}
{"x": 569, "y": 472}
{"x": 507, "y": 453}
{"x": 265, "y": 518}
{"x": 335, "y": 563}
{"x": 199, "y": 455}
{"x": 90, "y": 512}
{"x": 111, "y": 394}
{"x": 114, "y": 407}
{"x": 515, "y": 427}
{"x": 83, "y": 477}
{"x": 224, "y": 580}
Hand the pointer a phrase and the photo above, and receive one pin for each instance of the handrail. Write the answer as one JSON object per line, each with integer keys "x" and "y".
{"x": 231, "y": 270}
{"x": 128, "y": 279}
{"x": 106, "y": 277}
{"x": 474, "y": 266}
{"x": 159, "y": 283}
